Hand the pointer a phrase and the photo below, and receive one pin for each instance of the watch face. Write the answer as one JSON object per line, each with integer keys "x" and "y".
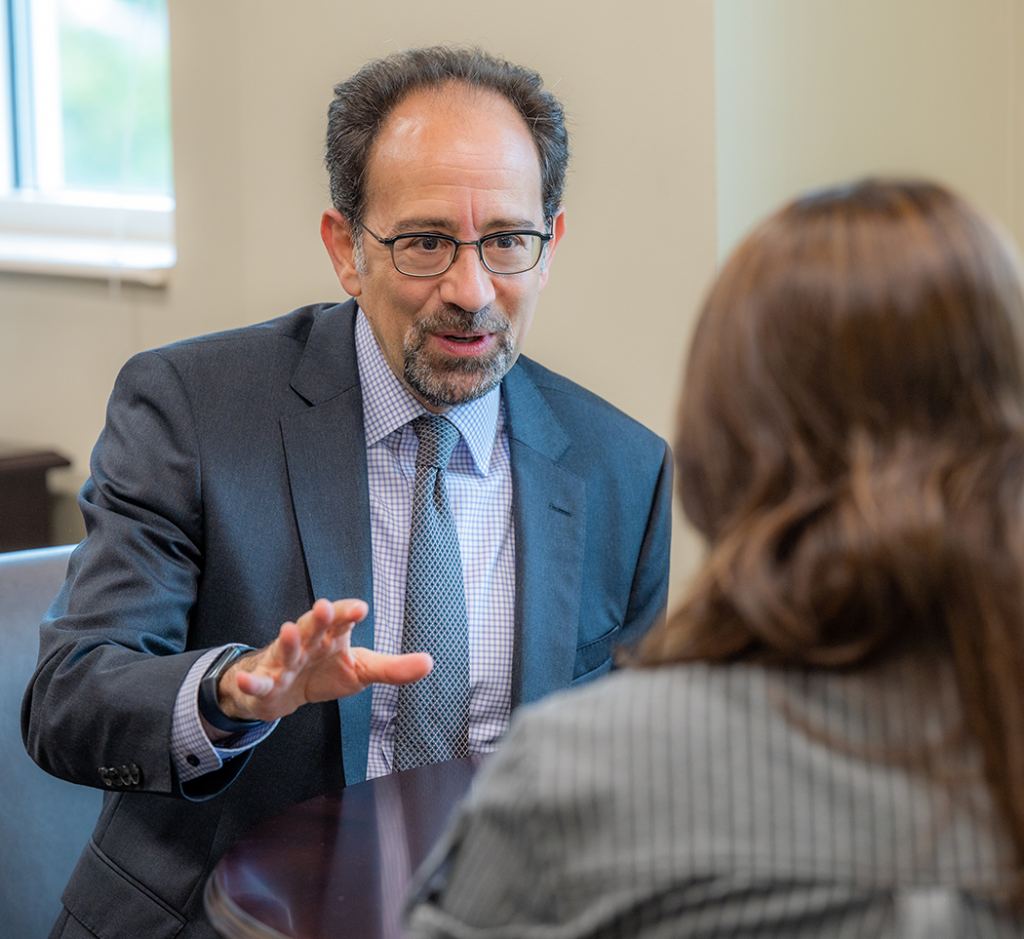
{"x": 209, "y": 705}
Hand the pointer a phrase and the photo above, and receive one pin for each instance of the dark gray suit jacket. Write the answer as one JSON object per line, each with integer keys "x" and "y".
{"x": 228, "y": 491}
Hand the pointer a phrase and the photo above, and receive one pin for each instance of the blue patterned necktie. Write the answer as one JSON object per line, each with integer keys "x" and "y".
{"x": 433, "y": 713}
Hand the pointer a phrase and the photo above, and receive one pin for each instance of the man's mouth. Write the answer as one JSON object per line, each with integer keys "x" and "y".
{"x": 451, "y": 359}
{"x": 463, "y": 344}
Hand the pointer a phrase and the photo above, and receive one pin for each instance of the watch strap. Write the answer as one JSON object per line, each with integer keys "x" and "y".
{"x": 209, "y": 706}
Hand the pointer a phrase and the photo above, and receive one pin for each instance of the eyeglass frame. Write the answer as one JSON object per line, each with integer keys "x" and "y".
{"x": 389, "y": 243}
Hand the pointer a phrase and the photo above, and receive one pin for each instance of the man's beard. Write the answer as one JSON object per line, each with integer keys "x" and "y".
{"x": 448, "y": 380}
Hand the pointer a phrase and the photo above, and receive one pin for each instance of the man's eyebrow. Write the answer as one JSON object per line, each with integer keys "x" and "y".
{"x": 444, "y": 226}
{"x": 423, "y": 223}
{"x": 511, "y": 224}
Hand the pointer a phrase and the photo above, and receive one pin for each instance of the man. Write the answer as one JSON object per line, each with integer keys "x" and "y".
{"x": 241, "y": 476}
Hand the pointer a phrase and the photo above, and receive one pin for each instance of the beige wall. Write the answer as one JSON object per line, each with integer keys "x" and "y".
{"x": 251, "y": 80}
{"x": 811, "y": 93}
{"x": 803, "y": 93}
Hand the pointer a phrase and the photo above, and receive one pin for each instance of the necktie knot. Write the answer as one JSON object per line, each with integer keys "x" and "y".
{"x": 437, "y": 439}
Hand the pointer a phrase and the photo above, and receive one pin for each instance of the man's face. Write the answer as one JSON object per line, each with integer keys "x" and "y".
{"x": 457, "y": 162}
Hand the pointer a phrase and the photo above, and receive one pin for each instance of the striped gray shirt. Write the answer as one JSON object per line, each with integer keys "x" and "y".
{"x": 728, "y": 801}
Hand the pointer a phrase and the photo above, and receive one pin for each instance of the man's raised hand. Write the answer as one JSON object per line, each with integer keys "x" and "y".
{"x": 312, "y": 660}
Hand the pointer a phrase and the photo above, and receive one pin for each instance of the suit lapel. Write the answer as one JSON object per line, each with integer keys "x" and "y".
{"x": 549, "y": 508}
{"x": 325, "y": 449}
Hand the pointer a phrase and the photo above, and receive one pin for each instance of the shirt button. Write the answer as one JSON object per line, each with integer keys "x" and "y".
{"x": 192, "y": 759}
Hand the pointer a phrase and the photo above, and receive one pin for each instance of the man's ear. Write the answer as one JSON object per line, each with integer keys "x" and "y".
{"x": 337, "y": 237}
{"x": 557, "y": 229}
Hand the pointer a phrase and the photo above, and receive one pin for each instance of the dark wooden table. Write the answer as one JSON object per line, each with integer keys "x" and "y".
{"x": 339, "y": 865}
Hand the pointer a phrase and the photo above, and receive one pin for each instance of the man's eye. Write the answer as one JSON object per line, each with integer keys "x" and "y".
{"x": 425, "y": 244}
{"x": 507, "y": 242}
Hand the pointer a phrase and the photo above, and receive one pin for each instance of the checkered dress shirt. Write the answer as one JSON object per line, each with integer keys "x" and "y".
{"x": 479, "y": 483}
{"x": 480, "y": 491}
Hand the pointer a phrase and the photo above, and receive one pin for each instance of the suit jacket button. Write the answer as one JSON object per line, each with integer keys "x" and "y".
{"x": 105, "y": 776}
{"x": 134, "y": 773}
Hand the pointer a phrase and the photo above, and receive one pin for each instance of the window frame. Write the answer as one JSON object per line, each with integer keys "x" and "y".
{"x": 60, "y": 232}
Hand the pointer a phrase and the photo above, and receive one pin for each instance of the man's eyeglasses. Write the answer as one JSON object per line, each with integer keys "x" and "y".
{"x": 427, "y": 254}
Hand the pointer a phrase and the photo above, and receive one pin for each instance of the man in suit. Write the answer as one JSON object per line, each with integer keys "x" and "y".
{"x": 241, "y": 476}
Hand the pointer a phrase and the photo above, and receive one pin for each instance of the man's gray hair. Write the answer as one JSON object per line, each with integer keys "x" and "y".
{"x": 363, "y": 103}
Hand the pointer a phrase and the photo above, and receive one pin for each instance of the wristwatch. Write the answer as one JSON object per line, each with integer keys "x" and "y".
{"x": 209, "y": 707}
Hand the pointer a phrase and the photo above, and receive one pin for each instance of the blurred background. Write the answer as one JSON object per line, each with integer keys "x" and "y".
{"x": 691, "y": 119}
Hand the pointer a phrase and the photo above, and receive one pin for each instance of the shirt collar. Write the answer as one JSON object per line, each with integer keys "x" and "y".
{"x": 388, "y": 406}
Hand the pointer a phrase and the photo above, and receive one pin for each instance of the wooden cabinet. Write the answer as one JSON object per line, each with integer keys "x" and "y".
{"x": 25, "y": 505}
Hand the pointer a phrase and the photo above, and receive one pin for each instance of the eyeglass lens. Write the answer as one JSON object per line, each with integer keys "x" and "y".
{"x": 503, "y": 253}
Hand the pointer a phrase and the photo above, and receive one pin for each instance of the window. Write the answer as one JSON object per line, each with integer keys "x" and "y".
{"x": 86, "y": 182}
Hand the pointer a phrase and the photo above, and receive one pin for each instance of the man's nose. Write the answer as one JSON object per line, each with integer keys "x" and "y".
{"x": 467, "y": 283}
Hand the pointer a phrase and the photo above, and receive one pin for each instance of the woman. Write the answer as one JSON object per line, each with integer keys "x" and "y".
{"x": 827, "y": 738}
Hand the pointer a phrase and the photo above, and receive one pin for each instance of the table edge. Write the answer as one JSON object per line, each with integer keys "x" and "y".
{"x": 230, "y": 920}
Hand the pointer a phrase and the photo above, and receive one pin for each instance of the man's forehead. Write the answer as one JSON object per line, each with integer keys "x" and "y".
{"x": 439, "y": 141}
{"x": 453, "y": 102}
{"x": 451, "y": 118}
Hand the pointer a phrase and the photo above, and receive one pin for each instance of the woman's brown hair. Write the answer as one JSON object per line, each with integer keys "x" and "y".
{"x": 850, "y": 442}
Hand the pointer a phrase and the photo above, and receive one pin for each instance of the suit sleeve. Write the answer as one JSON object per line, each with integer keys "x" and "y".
{"x": 114, "y": 645}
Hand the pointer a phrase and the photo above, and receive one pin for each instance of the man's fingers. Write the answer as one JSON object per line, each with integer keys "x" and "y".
{"x": 284, "y": 674}
{"x": 338, "y": 616}
{"x": 289, "y": 645}
{"x": 313, "y": 624}
{"x": 253, "y": 684}
{"x": 352, "y": 611}
{"x": 392, "y": 669}
{"x": 316, "y": 629}
{"x": 323, "y": 612}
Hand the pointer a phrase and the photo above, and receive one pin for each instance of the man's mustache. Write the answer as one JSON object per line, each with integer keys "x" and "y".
{"x": 457, "y": 320}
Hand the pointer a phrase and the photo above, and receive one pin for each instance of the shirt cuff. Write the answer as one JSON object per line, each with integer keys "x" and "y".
{"x": 191, "y": 750}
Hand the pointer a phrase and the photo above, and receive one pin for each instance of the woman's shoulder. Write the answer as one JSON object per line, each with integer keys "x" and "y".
{"x": 672, "y": 705}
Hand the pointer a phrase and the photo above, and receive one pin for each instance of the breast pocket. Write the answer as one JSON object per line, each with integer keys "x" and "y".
{"x": 594, "y": 658}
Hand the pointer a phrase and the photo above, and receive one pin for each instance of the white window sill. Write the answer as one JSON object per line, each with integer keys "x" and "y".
{"x": 94, "y": 236}
{"x": 141, "y": 262}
